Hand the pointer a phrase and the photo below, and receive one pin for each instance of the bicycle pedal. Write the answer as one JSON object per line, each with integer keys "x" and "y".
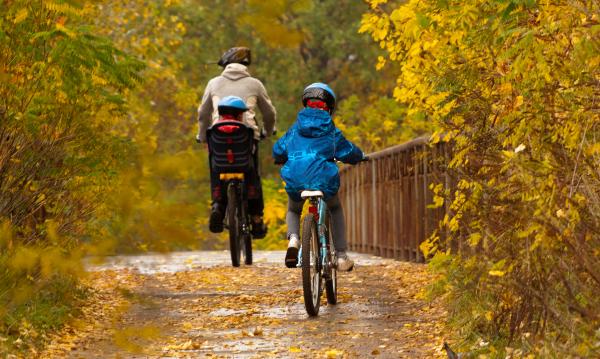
{"x": 291, "y": 257}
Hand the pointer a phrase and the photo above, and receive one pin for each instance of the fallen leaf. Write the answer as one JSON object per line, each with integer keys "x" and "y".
{"x": 333, "y": 353}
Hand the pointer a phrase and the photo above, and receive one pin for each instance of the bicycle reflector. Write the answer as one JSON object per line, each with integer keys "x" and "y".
{"x": 315, "y": 212}
{"x": 231, "y": 176}
{"x": 230, "y": 157}
{"x": 228, "y": 128}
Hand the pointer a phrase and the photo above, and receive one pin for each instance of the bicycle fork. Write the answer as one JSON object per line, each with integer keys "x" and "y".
{"x": 318, "y": 209}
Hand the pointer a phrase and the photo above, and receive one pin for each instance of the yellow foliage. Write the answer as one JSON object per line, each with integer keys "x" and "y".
{"x": 265, "y": 18}
{"x": 496, "y": 78}
{"x": 24, "y": 259}
{"x": 21, "y": 15}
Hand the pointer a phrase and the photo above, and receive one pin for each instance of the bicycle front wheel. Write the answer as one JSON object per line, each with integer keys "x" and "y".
{"x": 234, "y": 225}
{"x": 311, "y": 266}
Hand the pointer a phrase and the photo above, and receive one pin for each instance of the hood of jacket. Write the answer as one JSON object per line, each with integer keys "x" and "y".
{"x": 235, "y": 71}
{"x": 313, "y": 122}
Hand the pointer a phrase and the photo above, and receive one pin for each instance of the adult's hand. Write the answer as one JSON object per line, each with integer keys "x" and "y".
{"x": 204, "y": 144}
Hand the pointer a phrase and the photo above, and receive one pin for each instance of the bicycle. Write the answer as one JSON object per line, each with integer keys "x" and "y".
{"x": 317, "y": 254}
{"x": 230, "y": 146}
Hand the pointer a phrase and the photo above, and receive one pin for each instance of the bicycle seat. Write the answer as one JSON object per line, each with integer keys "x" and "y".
{"x": 307, "y": 194}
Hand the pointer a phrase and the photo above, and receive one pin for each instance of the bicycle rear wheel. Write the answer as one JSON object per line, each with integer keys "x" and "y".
{"x": 331, "y": 281}
{"x": 311, "y": 267}
{"x": 234, "y": 225}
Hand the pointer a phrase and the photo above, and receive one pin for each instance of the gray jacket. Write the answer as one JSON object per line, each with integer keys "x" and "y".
{"x": 236, "y": 81}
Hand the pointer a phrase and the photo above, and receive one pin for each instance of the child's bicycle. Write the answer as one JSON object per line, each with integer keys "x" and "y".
{"x": 317, "y": 256}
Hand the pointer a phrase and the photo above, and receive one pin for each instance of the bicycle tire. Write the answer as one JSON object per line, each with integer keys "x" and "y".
{"x": 248, "y": 249}
{"x": 311, "y": 280}
{"x": 331, "y": 283}
{"x": 234, "y": 225}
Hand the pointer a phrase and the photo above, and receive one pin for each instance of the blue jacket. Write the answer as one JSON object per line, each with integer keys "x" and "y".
{"x": 309, "y": 150}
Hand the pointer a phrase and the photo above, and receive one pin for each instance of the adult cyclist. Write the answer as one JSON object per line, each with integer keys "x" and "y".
{"x": 236, "y": 81}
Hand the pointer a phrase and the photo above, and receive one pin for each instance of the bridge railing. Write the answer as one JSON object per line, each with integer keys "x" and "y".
{"x": 386, "y": 200}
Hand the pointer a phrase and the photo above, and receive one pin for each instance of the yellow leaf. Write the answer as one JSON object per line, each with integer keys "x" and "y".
{"x": 489, "y": 316}
{"x": 333, "y": 353}
{"x": 518, "y": 101}
{"x": 496, "y": 273}
{"x": 21, "y": 15}
{"x": 295, "y": 350}
{"x": 474, "y": 239}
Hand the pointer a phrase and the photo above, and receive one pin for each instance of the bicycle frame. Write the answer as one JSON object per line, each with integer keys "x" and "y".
{"x": 318, "y": 207}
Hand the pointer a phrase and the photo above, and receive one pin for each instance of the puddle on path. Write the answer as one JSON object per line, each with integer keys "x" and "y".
{"x": 154, "y": 263}
{"x": 224, "y": 312}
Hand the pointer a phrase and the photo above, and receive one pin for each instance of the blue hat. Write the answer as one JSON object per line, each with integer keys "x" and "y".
{"x": 232, "y": 103}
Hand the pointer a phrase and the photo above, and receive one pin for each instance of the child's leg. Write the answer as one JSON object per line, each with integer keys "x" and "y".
{"x": 338, "y": 223}
{"x": 338, "y": 231}
{"x": 292, "y": 217}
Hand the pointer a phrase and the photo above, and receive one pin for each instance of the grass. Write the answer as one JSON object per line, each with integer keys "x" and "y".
{"x": 25, "y": 325}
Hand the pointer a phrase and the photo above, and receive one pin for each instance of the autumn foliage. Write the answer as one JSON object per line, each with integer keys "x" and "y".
{"x": 97, "y": 117}
{"x": 514, "y": 86}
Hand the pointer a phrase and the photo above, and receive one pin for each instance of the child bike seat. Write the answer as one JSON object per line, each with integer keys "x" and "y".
{"x": 307, "y": 194}
{"x": 230, "y": 146}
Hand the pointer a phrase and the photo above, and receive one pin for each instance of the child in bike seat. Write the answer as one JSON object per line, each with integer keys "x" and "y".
{"x": 308, "y": 152}
{"x": 232, "y": 108}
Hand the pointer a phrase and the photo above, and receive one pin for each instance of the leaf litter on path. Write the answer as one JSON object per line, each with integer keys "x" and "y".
{"x": 254, "y": 312}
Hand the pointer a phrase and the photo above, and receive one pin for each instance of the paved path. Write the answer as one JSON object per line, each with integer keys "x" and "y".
{"x": 194, "y": 304}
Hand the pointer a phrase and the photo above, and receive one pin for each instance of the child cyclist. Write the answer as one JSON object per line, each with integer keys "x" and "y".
{"x": 308, "y": 151}
{"x": 232, "y": 108}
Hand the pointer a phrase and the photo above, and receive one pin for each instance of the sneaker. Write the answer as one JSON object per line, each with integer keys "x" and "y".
{"x": 215, "y": 222}
{"x": 344, "y": 263}
{"x": 291, "y": 256}
{"x": 259, "y": 229}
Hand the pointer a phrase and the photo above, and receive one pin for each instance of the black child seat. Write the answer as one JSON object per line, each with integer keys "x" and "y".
{"x": 230, "y": 145}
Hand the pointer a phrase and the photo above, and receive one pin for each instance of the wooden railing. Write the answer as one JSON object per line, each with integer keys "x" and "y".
{"x": 386, "y": 200}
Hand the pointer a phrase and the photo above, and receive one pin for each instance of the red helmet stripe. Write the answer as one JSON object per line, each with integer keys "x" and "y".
{"x": 317, "y": 104}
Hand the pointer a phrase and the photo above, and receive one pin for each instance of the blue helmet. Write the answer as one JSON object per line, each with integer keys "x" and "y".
{"x": 231, "y": 105}
{"x": 319, "y": 91}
